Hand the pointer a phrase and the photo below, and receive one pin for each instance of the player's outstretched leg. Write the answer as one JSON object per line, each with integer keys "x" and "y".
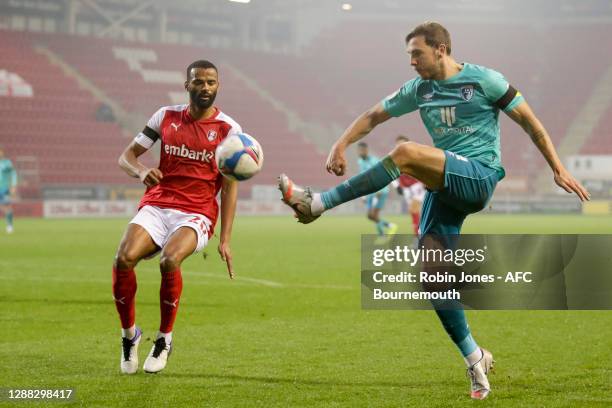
{"x": 308, "y": 206}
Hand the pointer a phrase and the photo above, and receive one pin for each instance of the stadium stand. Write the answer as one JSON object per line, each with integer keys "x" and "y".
{"x": 328, "y": 84}
{"x": 144, "y": 77}
{"x": 56, "y": 125}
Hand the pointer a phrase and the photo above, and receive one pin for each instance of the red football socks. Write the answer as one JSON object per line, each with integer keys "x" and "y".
{"x": 169, "y": 295}
{"x": 124, "y": 291}
{"x": 416, "y": 220}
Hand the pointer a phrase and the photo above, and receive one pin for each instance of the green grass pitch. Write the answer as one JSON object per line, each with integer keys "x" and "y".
{"x": 289, "y": 331}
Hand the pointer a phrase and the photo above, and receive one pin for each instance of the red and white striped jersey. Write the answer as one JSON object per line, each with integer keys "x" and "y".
{"x": 191, "y": 179}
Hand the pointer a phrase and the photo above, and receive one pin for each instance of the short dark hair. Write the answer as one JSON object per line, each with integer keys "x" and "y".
{"x": 200, "y": 64}
{"x": 362, "y": 144}
{"x": 402, "y": 138}
{"x": 434, "y": 33}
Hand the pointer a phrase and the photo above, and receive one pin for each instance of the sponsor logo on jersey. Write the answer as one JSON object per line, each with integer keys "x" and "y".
{"x": 467, "y": 92}
{"x": 184, "y": 151}
{"x": 175, "y": 126}
{"x": 428, "y": 96}
{"x": 449, "y": 131}
{"x": 211, "y": 135}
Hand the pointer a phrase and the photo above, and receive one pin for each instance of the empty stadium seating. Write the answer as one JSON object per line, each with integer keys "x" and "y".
{"x": 57, "y": 125}
{"x": 342, "y": 73}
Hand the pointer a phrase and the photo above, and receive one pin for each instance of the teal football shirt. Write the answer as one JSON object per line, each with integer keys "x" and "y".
{"x": 366, "y": 164}
{"x": 8, "y": 175}
{"x": 461, "y": 113}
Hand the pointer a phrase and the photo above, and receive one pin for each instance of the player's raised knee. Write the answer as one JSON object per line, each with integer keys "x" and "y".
{"x": 405, "y": 153}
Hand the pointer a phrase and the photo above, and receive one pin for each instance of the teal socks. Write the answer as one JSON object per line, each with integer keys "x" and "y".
{"x": 456, "y": 326}
{"x": 368, "y": 182}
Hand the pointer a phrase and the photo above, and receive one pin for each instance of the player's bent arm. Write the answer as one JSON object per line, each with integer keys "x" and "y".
{"x": 128, "y": 161}
{"x": 524, "y": 116}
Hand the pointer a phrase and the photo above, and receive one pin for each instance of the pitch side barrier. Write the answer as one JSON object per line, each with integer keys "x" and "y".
{"x": 487, "y": 272}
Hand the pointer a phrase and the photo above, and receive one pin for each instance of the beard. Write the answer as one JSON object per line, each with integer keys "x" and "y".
{"x": 196, "y": 99}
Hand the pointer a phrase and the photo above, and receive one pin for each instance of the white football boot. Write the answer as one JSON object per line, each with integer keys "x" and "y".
{"x": 158, "y": 357}
{"x": 129, "y": 353}
{"x": 478, "y": 375}
{"x": 298, "y": 198}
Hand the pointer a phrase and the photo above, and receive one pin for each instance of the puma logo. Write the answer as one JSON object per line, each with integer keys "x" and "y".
{"x": 175, "y": 126}
{"x": 120, "y": 300}
{"x": 173, "y": 304}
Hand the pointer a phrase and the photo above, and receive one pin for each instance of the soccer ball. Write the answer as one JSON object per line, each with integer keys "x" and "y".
{"x": 239, "y": 157}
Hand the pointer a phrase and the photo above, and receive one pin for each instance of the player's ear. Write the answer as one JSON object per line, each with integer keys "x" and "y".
{"x": 186, "y": 85}
{"x": 442, "y": 50}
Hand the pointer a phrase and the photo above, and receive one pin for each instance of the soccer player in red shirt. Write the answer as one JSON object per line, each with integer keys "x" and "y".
{"x": 413, "y": 192}
{"x": 179, "y": 209}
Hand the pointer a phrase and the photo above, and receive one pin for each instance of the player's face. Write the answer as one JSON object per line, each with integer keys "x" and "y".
{"x": 202, "y": 86}
{"x": 423, "y": 58}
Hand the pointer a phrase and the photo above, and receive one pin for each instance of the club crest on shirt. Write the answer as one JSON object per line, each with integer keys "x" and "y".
{"x": 211, "y": 135}
{"x": 467, "y": 92}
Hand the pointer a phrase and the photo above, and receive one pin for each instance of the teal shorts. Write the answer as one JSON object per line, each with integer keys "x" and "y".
{"x": 468, "y": 187}
{"x": 376, "y": 200}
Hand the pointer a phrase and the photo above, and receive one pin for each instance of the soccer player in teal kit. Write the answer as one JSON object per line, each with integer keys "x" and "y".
{"x": 459, "y": 104}
{"x": 374, "y": 202}
{"x": 8, "y": 187}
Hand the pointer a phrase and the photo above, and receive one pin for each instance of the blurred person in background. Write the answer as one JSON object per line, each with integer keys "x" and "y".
{"x": 8, "y": 189}
{"x": 413, "y": 192}
{"x": 374, "y": 202}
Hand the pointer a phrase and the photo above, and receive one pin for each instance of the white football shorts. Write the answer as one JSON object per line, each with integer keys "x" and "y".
{"x": 415, "y": 192}
{"x": 161, "y": 223}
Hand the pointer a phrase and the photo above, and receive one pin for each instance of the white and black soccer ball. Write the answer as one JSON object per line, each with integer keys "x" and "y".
{"x": 239, "y": 157}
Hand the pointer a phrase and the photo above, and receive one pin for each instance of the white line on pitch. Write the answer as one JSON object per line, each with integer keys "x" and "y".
{"x": 239, "y": 278}
{"x": 238, "y": 281}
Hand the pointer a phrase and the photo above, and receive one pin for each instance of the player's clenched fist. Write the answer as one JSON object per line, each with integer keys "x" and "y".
{"x": 336, "y": 162}
{"x": 151, "y": 177}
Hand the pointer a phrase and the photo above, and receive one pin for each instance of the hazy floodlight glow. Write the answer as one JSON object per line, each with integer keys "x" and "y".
{"x": 346, "y": 6}
{"x": 240, "y": 1}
